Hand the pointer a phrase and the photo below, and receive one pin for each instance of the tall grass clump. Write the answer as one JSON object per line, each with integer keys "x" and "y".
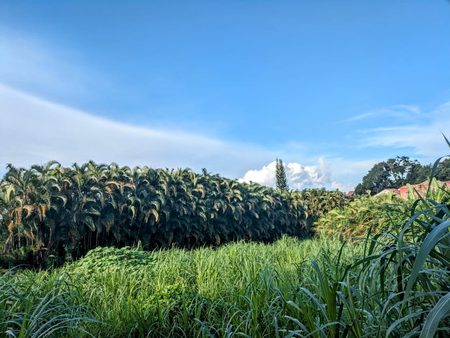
{"x": 235, "y": 290}
{"x": 32, "y": 307}
{"x": 400, "y": 287}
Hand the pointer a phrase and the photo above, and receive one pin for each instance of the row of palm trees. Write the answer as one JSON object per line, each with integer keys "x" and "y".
{"x": 62, "y": 212}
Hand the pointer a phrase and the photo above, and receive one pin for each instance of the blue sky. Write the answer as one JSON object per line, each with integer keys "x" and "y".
{"x": 329, "y": 86}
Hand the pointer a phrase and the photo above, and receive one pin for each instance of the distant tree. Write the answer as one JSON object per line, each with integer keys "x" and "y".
{"x": 393, "y": 173}
{"x": 443, "y": 170}
{"x": 403, "y": 170}
{"x": 399, "y": 171}
{"x": 375, "y": 181}
{"x": 280, "y": 175}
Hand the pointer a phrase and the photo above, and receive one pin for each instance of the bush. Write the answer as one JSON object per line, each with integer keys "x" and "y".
{"x": 367, "y": 213}
{"x": 51, "y": 214}
{"x": 318, "y": 202}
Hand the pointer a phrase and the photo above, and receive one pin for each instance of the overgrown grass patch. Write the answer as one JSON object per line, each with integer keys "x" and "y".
{"x": 241, "y": 287}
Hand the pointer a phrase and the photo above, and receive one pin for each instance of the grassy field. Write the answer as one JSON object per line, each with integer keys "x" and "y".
{"x": 290, "y": 288}
{"x": 241, "y": 288}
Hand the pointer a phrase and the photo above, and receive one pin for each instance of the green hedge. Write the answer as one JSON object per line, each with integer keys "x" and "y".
{"x": 55, "y": 213}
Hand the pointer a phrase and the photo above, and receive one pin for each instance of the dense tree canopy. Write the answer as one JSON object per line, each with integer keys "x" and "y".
{"x": 65, "y": 211}
{"x": 443, "y": 170}
{"x": 399, "y": 171}
{"x": 62, "y": 212}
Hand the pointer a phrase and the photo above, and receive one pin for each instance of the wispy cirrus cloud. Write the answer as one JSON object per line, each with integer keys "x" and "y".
{"x": 400, "y": 111}
{"x": 35, "y": 65}
{"x": 36, "y": 130}
{"x": 423, "y": 138}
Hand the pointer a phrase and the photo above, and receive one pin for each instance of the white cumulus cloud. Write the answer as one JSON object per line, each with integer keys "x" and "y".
{"x": 298, "y": 176}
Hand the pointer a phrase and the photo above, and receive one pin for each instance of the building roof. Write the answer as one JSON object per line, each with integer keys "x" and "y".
{"x": 404, "y": 191}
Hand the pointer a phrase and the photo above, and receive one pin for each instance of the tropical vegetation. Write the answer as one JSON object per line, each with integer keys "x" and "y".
{"x": 51, "y": 214}
{"x": 374, "y": 214}
{"x": 391, "y": 280}
{"x": 377, "y": 214}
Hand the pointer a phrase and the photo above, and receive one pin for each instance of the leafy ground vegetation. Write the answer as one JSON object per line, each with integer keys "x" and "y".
{"x": 391, "y": 279}
{"x": 376, "y": 214}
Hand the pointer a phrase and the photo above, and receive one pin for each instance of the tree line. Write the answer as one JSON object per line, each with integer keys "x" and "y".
{"x": 52, "y": 212}
{"x": 399, "y": 171}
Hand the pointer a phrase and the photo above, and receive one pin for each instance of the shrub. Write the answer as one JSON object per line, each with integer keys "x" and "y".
{"x": 318, "y": 202}
{"x": 367, "y": 213}
{"x": 53, "y": 214}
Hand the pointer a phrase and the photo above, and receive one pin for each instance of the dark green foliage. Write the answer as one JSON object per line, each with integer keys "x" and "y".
{"x": 53, "y": 213}
{"x": 389, "y": 285}
{"x": 443, "y": 170}
{"x": 376, "y": 180}
{"x": 318, "y": 202}
{"x": 403, "y": 170}
{"x": 400, "y": 171}
{"x": 280, "y": 175}
{"x": 393, "y": 284}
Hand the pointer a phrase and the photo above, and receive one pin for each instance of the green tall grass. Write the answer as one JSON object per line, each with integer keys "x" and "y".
{"x": 242, "y": 288}
{"x": 291, "y": 288}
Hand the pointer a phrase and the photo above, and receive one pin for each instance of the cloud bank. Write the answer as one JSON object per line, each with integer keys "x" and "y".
{"x": 36, "y": 131}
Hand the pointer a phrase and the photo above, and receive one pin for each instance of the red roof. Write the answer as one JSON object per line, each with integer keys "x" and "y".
{"x": 403, "y": 191}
